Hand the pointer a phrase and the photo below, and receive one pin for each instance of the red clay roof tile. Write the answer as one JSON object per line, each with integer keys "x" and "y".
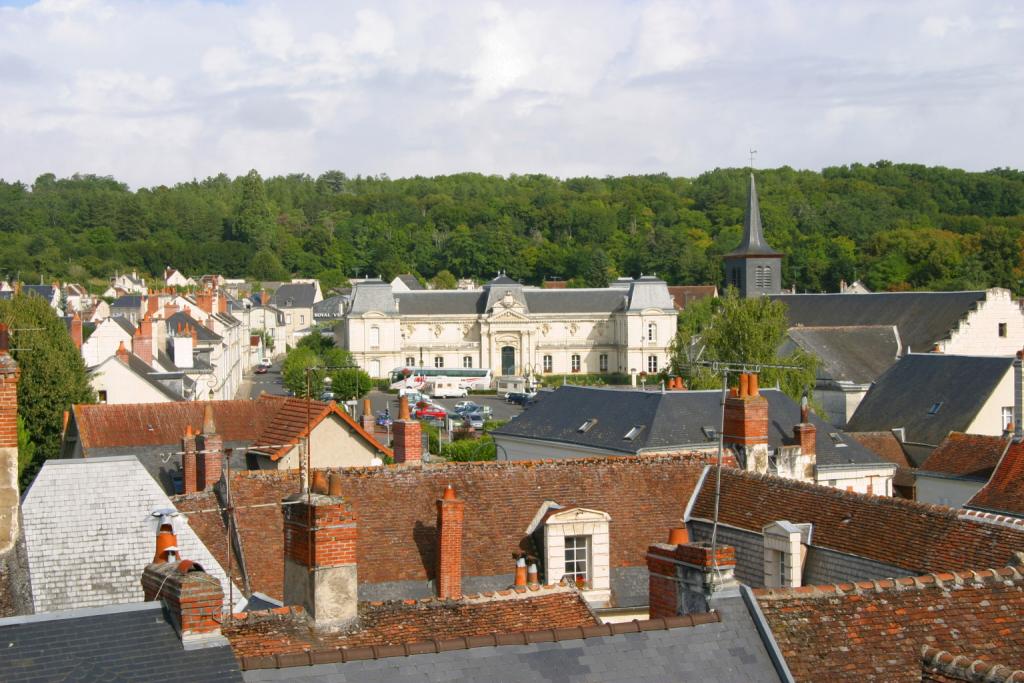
{"x": 966, "y": 455}
{"x": 1004, "y": 491}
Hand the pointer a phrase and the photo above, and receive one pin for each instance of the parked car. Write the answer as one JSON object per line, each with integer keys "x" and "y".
{"x": 522, "y": 398}
{"x": 327, "y": 396}
{"x": 261, "y": 369}
{"x": 429, "y": 411}
{"x": 384, "y": 418}
{"x": 475, "y": 420}
{"x": 413, "y": 396}
{"x": 266, "y": 362}
{"x": 463, "y": 407}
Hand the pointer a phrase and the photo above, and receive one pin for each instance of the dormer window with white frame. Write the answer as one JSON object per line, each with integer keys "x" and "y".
{"x": 575, "y": 547}
{"x": 785, "y": 549}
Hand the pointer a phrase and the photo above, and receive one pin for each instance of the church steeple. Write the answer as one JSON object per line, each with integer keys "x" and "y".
{"x": 754, "y": 268}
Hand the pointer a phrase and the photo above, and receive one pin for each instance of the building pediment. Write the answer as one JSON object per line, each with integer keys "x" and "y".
{"x": 508, "y": 315}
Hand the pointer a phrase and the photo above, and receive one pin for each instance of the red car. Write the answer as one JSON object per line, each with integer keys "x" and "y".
{"x": 427, "y": 410}
{"x": 261, "y": 369}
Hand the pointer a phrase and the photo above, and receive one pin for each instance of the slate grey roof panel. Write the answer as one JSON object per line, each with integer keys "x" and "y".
{"x": 331, "y": 307}
{"x": 128, "y": 301}
{"x": 202, "y": 333}
{"x": 125, "y": 324}
{"x": 294, "y": 295}
{"x": 44, "y": 291}
{"x": 724, "y": 652}
{"x": 753, "y": 242}
{"x": 858, "y": 354}
{"x": 139, "y": 367}
{"x": 576, "y": 300}
{"x": 905, "y": 394}
{"x": 923, "y": 318}
{"x": 411, "y": 282}
{"x": 89, "y": 533}
{"x": 438, "y": 302}
{"x": 671, "y": 420}
{"x": 115, "y": 643}
{"x": 373, "y": 295}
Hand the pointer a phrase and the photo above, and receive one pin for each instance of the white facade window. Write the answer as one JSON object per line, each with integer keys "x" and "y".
{"x": 467, "y": 361}
{"x": 652, "y": 364}
{"x": 652, "y": 332}
{"x": 302, "y": 319}
{"x": 784, "y": 549}
{"x": 410, "y": 361}
{"x": 1007, "y": 416}
{"x": 547, "y": 364}
{"x": 575, "y": 362}
{"x": 577, "y": 559}
{"x": 374, "y": 337}
{"x": 288, "y": 318}
{"x": 374, "y": 368}
{"x": 438, "y": 361}
{"x": 603, "y": 360}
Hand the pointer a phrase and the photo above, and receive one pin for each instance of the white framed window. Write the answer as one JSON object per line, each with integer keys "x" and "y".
{"x": 652, "y": 332}
{"x": 1007, "y": 416}
{"x": 577, "y": 559}
{"x": 302, "y": 319}
{"x": 652, "y": 364}
{"x": 374, "y": 368}
{"x": 438, "y": 361}
{"x": 410, "y": 361}
{"x": 603, "y": 361}
{"x": 575, "y": 362}
{"x": 101, "y": 396}
{"x": 782, "y": 569}
{"x": 467, "y": 361}
{"x": 547, "y": 364}
{"x": 288, "y": 318}
{"x": 374, "y": 337}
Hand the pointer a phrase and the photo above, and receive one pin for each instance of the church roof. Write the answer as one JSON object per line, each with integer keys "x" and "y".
{"x": 754, "y": 243}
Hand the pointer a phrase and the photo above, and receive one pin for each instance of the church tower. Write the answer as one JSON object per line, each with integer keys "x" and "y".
{"x": 753, "y": 268}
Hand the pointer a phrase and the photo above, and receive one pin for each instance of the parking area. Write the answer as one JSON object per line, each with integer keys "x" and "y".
{"x": 500, "y": 410}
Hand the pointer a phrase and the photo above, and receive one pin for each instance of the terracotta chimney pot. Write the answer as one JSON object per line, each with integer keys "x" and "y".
{"x": 744, "y": 385}
{"x": 752, "y": 388}
{"x": 678, "y": 536}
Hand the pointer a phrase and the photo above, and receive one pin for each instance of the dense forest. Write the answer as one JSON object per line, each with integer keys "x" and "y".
{"x": 894, "y": 226}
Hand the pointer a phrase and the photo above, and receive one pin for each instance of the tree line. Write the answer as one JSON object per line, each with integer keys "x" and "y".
{"x": 894, "y": 226}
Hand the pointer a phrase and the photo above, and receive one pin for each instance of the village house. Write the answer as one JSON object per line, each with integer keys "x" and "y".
{"x": 765, "y": 431}
{"x": 296, "y": 300}
{"x": 125, "y": 284}
{"x": 174, "y": 278}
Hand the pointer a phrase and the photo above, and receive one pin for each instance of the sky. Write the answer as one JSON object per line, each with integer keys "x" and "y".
{"x": 161, "y": 92}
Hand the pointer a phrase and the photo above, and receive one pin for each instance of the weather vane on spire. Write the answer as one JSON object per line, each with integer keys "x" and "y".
{"x": 753, "y": 152}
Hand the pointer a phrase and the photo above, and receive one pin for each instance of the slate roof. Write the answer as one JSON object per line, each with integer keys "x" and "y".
{"x": 722, "y": 647}
{"x": 132, "y": 301}
{"x": 753, "y": 242}
{"x": 875, "y": 630}
{"x": 294, "y": 295}
{"x": 112, "y": 643}
{"x": 89, "y": 532}
{"x": 966, "y": 456}
{"x": 146, "y": 373}
{"x": 673, "y": 420}
{"x": 430, "y": 302}
{"x": 905, "y": 395}
{"x": 124, "y": 323}
{"x": 296, "y": 417}
{"x": 501, "y": 499}
{"x": 923, "y": 318}
{"x": 902, "y": 533}
{"x": 400, "y": 622}
{"x": 331, "y": 307}
{"x": 203, "y": 334}
{"x": 543, "y": 301}
{"x": 411, "y": 282}
{"x": 857, "y": 354}
{"x": 1004, "y": 492}
{"x": 44, "y": 291}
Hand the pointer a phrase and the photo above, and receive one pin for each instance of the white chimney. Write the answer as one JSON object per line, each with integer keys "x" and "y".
{"x": 182, "y": 350}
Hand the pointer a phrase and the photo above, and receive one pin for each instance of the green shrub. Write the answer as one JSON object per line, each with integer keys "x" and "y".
{"x": 470, "y": 450}
{"x": 585, "y": 380}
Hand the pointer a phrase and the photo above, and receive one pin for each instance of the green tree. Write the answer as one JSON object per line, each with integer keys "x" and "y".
{"x": 293, "y": 371}
{"x": 737, "y": 330}
{"x": 253, "y": 221}
{"x": 316, "y": 351}
{"x": 266, "y": 266}
{"x": 53, "y": 377}
{"x": 444, "y": 280}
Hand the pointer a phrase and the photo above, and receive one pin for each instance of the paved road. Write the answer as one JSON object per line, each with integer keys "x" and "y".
{"x": 253, "y": 385}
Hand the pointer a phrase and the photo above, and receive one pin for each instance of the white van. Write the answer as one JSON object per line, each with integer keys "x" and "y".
{"x": 443, "y": 387}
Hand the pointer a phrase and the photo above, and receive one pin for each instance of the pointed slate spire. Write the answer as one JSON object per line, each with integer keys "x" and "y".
{"x": 753, "y": 233}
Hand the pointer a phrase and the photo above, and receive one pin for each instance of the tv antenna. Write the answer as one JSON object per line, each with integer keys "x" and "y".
{"x": 753, "y": 153}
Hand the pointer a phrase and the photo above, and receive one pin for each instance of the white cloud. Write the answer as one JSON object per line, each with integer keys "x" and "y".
{"x": 161, "y": 92}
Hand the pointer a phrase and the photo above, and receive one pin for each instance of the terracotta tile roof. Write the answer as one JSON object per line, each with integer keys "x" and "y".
{"x": 886, "y": 445}
{"x": 645, "y": 496}
{"x": 157, "y": 424}
{"x": 411, "y": 621}
{"x": 970, "y": 456}
{"x": 682, "y": 296}
{"x": 296, "y": 417}
{"x": 1004, "y": 491}
{"x": 915, "y": 537}
{"x": 940, "y": 666}
{"x": 875, "y": 630}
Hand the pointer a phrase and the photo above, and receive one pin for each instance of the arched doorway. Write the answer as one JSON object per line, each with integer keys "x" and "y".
{"x": 508, "y": 360}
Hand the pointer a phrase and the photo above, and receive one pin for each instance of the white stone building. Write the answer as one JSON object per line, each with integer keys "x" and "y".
{"x": 511, "y": 329}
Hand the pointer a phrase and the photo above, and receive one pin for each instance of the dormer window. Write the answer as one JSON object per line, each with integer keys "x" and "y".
{"x": 934, "y": 410}
{"x": 587, "y": 426}
{"x": 710, "y": 433}
{"x": 575, "y": 546}
{"x": 633, "y": 433}
{"x": 577, "y": 560}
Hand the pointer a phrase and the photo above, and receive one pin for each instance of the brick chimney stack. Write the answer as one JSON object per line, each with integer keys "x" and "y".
{"x": 686, "y": 578}
{"x": 211, "y": 452}
{"x": 142, "y": 340}
{"x": 450, "y": 512}
{"x": 193, "y": 599}
{"x": 76, "y": 330}
{"x": 320, "y": 556}
{"x": 10, "y": 373}
{"x": 122, "y": 353}
{"x": 806, "y": 433}
{"x": 746, "y": 424}
{"x": 222, "y": 303}
{"x": 204, "y": 299}
{"x": 408, "y": 436}
{"x": 189, "y": 461}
